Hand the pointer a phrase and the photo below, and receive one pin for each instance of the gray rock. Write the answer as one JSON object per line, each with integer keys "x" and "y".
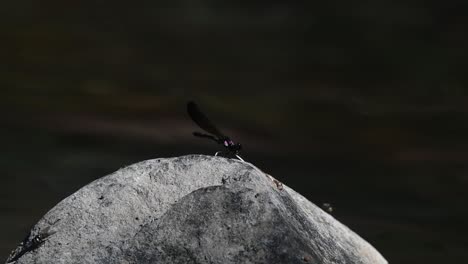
{"x": 191, "y": 209}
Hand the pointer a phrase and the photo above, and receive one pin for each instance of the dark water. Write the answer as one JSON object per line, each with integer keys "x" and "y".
{"x": 363, "y": 105}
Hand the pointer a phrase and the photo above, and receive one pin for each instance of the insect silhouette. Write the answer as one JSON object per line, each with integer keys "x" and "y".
{"x": 214, "y": 133}
{"x": 30, "y": 244}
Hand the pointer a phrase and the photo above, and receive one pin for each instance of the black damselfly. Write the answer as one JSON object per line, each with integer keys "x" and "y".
{"x": 214, "y": 134}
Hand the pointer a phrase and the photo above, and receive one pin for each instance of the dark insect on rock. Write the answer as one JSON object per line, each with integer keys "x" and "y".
{"x": 214, "y": 133}
{"x": 30, "y": 244}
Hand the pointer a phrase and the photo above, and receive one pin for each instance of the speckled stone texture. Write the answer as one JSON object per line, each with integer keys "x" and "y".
{"x": 193, "y": 209}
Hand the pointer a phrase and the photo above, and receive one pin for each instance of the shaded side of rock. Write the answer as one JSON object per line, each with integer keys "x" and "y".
{"x": 221, "y": 225}
{"x": 241, "y": 225}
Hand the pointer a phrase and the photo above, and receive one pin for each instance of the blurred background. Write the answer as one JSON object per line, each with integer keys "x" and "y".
{"x": 361, "y": 104}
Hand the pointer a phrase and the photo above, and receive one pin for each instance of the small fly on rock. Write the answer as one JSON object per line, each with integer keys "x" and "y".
{"x": 30, "y": 243}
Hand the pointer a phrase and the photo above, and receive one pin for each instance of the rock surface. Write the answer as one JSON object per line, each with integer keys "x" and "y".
{"x": 191, "y": 209}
